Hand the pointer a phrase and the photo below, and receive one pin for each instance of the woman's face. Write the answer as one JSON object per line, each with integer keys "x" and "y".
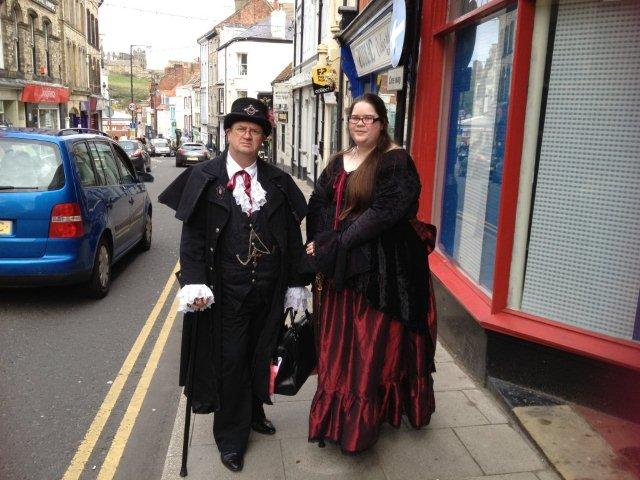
{"x": 363, "y": 133}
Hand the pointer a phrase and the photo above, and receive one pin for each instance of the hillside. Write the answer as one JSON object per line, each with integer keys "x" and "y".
{"x": 120, "y": 89}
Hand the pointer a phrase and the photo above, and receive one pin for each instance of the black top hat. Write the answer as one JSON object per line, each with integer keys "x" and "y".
{"x": 248, "y": 109}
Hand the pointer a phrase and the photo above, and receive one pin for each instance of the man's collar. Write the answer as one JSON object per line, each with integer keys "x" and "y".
{"x": 233, "y": 167}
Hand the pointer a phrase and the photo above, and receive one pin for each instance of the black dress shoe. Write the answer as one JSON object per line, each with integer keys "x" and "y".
{"x": 232, "y": 460}
{"x": 263, "y": 426}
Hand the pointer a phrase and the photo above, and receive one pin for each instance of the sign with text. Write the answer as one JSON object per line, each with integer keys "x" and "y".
{"x": 323, "y": 79}
{"x": 371, "y": 51}
{"x": 282, "y": 117}
{"x": 395, "y": 78}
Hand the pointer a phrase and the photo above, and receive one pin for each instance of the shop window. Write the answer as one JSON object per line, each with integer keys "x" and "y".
{"x": 221, "y": 100}
{"x": 242, "y": 64}
{"x": 457, "y": 8}
{"x": 479, "y": 97}
{"x": 282, "y": 137}
{"x": 582, "y": 266}
{"x": 48, "y": 118}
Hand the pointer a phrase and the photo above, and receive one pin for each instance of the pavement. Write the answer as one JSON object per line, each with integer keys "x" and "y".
{"x": 470, "y": 437}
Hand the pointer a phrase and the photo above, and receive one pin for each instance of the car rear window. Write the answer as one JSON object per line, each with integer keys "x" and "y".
{"x": 128, "y": 146}
{"x": 30, "y": 165}
{"x": 160, "y": 143}
{"x": 192, "y": 146}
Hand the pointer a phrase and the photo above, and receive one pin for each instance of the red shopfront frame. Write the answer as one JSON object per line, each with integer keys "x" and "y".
{"x": 492, "y": 312}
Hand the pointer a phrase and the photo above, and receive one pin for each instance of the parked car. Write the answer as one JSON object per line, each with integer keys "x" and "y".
{"x": 162, "y": 146}
{"x": 138, "y": 154}
{"x": 71, "y": 204}
{"x": 190, "y": 153}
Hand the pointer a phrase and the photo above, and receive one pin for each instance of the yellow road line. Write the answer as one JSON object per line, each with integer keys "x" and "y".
{"x": 112, "y": 460}
{"x": 95, "y": 429}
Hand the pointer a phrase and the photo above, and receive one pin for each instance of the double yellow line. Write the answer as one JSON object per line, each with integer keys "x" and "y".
{"x": 119, "y": 442}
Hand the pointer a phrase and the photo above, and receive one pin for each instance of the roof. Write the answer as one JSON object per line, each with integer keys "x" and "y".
{"x": 284, "y": 75}
{"x": 244, "y": 17}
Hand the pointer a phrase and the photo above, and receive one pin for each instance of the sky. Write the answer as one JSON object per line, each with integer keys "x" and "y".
{"x": 171, "y": 28}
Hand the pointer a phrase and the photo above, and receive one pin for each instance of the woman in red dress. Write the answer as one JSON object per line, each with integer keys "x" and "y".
{"x": 374, "y": 304}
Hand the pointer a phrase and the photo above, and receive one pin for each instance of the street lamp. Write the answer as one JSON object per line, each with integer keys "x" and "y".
{"x": 133, "y": 112}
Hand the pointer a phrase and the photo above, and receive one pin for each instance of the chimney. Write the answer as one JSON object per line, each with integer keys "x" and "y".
{"x": 278, "y": 23}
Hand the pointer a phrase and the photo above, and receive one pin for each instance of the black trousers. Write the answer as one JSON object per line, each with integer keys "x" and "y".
{"x": 242, "y": 323}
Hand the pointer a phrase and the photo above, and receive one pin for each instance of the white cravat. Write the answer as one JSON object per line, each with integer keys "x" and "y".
{"x": 258, "y": 195}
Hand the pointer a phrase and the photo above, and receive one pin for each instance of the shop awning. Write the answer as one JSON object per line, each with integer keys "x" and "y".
{"x": 44, "y": 94}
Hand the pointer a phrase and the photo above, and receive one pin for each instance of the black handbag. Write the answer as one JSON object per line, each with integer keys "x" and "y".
{"x": 297, "y": 349}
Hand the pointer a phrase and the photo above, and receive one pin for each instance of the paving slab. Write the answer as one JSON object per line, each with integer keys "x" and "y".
{"x": 442, "y": 355}
{"x": 500, "y": 449}
{"x": 450, "y": 376}
{"x": 306, "y": 461}
{"x": 488, "y": 406}
{"x": 576, "y": 450}
{"x": 291, "y": 420}
{"x": 427, "y": 454}
{"x": 508, "y": 476}
{"x": 454, "y": 409}
{"x": 548, "y": 475}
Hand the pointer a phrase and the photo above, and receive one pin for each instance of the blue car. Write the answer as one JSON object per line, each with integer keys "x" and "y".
{"x": 71, "y": 204}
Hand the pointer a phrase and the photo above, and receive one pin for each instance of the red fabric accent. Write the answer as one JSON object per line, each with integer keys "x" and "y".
{"x": 231, "y": 184}
{"x": 44, "y": 94}
{"x": 370, "y": 370}
{"x": 339, "y": 186}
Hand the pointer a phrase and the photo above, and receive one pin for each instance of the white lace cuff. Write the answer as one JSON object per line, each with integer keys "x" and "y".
{"x": 189, "y": 293}
{"x": 296, "y": 298}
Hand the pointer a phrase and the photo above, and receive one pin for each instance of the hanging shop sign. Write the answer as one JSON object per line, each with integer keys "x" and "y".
{"x": 323, "y": 79}
{"x": 395, "y": 78}
{"x": 44, "y": 94}
{"x": 397, "y": 31}
{"x": 371, "y": 50}
{"x": 282, "y": 117}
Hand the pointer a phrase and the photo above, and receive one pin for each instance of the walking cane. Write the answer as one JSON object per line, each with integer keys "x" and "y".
{"x": 189, "y": 391}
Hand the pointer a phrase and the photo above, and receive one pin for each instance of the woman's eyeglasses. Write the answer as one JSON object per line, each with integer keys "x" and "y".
{"x": 366, "y": 119}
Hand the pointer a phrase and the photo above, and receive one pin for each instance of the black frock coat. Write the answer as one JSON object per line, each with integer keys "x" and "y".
{"x": 202, "y": 202}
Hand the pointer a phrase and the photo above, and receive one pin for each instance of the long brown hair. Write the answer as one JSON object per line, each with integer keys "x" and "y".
{"x": 359, "y": 193}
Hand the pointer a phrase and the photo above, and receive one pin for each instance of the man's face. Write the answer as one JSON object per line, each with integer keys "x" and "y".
{"x": 245, "y": 138}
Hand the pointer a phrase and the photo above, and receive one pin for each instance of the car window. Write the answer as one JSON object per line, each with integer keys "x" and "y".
{"x": 30, "y": 164}
{"x": 160, "y": 142}
{"x": 82, "y": 159}
{"x": 127, "y": 175}
{"x": 128, "y": 146}
{"x": 193, "y": 146}
{"x": 106, "y": 164}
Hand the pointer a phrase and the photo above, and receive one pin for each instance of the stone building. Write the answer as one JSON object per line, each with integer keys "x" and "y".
{"x": 50, "y": 63}
{"x": 31, "y": 59}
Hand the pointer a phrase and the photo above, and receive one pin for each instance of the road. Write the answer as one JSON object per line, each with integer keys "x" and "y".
{"x": 60, "y": 355}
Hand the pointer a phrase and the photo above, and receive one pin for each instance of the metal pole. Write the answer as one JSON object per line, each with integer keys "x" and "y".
{"x": 131, "y": 76}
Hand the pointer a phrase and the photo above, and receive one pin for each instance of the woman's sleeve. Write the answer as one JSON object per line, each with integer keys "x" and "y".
{"x": 397, "y": 190}
{"x": 317, "y": 205}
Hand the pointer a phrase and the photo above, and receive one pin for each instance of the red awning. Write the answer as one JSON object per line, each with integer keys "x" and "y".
{"x": 44, "y": 94}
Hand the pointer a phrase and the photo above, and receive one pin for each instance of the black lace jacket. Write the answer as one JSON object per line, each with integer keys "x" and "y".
{"x": 382, "y": 251}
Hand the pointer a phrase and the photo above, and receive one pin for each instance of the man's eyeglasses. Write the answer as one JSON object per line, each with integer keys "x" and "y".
{"x": 254, "y": 132}
{"x": 366, "y": 119}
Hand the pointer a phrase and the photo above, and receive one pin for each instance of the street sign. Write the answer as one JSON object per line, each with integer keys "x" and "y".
{"x": 132, "y": 107}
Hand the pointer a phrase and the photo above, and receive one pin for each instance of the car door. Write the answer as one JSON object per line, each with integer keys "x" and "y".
{"x": 116, "y": 196}
{"x": 136, "y": 191}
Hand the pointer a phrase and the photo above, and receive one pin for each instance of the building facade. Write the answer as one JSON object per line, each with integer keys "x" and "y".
{"x": 527, "y": 147}
{"x": 32, "y": 91}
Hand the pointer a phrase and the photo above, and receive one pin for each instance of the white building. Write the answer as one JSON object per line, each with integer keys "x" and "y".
{"x": 249, "y": 59}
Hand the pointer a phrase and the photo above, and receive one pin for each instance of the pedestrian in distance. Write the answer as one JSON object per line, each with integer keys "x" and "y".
{"x": 373, "y": 299}
{"x": 241, "y": 258}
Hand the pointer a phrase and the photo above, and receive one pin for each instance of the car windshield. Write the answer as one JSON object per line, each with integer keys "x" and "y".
{"x": 193, "y": 146}
{"x": 29, "y": 165}
{"x": 128, "y": 146}
{"x": 160, "y": 142}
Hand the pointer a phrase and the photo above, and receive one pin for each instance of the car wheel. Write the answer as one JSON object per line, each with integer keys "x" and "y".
{"x": 145, "y": 241}
{"x": 100, "y": 280}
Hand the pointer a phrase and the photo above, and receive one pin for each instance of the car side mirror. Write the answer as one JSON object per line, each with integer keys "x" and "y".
{"x": 145, "y": 177}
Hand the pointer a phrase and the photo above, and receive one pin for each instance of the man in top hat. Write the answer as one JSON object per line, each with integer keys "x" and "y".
{"x": 241, "y": 259}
